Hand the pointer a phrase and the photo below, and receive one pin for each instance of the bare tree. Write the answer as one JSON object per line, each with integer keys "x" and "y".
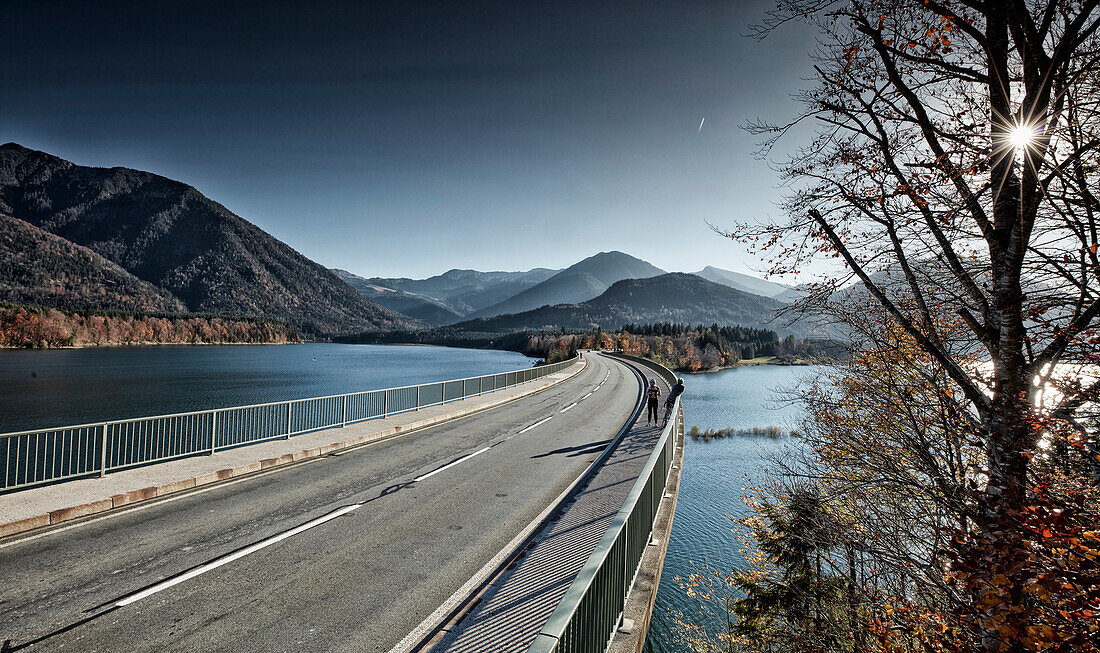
{"x": 954, "y": 175}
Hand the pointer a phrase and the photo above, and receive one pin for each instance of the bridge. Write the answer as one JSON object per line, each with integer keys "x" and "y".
{"x": 525, "y": 511}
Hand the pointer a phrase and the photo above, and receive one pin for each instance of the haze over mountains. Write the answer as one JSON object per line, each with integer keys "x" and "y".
{"x": 578, "y": 282}
{"x": 743, "y": 282}
{"x": 591, "y": 292}
{"x": 76, "y": 237}
{"x": 673, "y": 297}
{"x": 448, "y": 297}
{"x": 189, "y": 250}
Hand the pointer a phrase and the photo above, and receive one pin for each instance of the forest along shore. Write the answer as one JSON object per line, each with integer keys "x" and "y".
{"x": 23, "y": 327}
{"x": 680, "y": 347}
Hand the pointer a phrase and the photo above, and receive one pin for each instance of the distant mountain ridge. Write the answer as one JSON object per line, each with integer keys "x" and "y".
{"x": 672, "y": 297}
{"x": 191, "y": 248}
{"x": 461, "y": 292}
{"x": 743, "y": 282}
{"x": 434, "y": 299}
{"x": 579, "y": 282}
{"x": 421, "y": 307}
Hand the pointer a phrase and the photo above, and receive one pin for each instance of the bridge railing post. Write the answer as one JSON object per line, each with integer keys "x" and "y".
{"x": 213, "y": 432}
{"x": 103, "y": 452}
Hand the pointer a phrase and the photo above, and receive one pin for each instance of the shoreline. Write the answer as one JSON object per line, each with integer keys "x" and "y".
{"x": 755, "y": 362}
{"x": 95, "y": 345}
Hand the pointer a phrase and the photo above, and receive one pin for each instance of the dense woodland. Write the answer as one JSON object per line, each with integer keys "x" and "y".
{"x": 41, "y": 328}
{"x": 38, "y": 268}
{"x": 687, "y": 348}
{"x": 678, "y": 346}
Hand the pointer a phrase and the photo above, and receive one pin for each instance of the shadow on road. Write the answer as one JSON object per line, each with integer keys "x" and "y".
{"x": 579, "y": 450}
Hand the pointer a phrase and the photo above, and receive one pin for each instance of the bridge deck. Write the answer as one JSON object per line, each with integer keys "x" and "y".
{"x": 516, "y": 606}
{"x": 339, "y": 553}
{"x": 51, "y": 504}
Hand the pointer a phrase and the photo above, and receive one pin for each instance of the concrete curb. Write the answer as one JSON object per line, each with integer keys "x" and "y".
{"x": 131, "y": 498}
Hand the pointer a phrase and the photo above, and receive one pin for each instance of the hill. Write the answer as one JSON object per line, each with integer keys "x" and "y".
{"x": 579, "y": 282}
{"x": 674, "y": 297}
{"x": 421, "y": 307}
{"x": 41, "y": 269}
{"x": 466, "y": 291}
{"x": 743, "y": 282}
{"x": 170, "y": 235}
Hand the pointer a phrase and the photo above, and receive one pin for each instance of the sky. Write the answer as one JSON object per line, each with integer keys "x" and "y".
{"x": 408, "y": 138}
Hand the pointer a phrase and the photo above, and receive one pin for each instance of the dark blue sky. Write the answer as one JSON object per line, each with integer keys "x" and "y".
{"x": 407, "y": 138}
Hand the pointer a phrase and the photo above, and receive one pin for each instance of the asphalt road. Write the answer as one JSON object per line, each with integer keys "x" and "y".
{"x": 344, "y": 553}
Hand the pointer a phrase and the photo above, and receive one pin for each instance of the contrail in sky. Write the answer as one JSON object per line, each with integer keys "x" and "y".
{"x": 701, "y": 125}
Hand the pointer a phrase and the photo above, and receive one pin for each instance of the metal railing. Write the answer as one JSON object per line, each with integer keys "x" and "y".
{"x": 586, "y": 617}
{"x": 49, "y": 455}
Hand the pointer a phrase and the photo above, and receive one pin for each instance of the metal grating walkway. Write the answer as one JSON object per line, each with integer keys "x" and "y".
{"x": 516, "y": 606}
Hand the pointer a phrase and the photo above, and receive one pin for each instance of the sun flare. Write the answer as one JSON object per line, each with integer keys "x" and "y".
{"x": 1021, "y": 136}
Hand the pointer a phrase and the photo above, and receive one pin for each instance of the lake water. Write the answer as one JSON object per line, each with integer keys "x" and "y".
{"x": 41, "y": 389}
{"x": 713, "y": 477}
{"x": 61, "y": 387}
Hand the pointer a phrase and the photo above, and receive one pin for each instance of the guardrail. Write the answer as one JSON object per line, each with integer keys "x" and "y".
{"x": 42, "y": 456}
{"x": 588, "y": 614}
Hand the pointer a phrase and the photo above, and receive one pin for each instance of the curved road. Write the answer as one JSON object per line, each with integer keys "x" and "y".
{"x": 348, "y": 552}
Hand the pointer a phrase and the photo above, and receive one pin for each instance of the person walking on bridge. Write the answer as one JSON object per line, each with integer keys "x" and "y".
{"x": 676, "y": 391}
{"x": 653, "y": 393}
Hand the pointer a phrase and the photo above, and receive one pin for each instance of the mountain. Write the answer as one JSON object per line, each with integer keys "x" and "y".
{"x": 41, "y": 269}
{"x": 421, "y": 307}
{"x": 792, "y": 295}
{"x": 467, "y": 291}
{"x": 674, "y": 297}
{"x": 170, "y": 235}
{"x": 742, "y": 282}
{"x": 579, "y": 282}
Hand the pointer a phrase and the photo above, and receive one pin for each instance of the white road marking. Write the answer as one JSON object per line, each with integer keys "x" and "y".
{"x": 236, "y": 555}
{"x": 587, "y": 396}
{"x": 448, "y": 466}
{"x": 170, "y": 499}
{"x": 536, "y": 424}
{"x": 568, "y": 407}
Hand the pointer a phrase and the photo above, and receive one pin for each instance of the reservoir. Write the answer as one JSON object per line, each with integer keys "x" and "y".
{"x": 713, "y": 479}
{"x": 63, "y": 387}
{"x": 41, "y": 389}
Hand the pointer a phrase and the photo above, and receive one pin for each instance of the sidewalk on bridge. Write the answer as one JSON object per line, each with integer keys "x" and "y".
{"x": 53, "y": 504}
{"x": 508, "y": 616}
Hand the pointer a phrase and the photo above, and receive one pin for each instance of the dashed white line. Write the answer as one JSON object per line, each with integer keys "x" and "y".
{"x": 236, "y": 555}
{"x": 449, "y": 465}
{"x": 536, "y": 424}
{"x": 274, "y": 539}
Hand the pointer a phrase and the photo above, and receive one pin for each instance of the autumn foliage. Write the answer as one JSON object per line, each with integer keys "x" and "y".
{"x": 951, "y": 187}
{"x": 45, "y": 328}
{"x": 684, "y": 347}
